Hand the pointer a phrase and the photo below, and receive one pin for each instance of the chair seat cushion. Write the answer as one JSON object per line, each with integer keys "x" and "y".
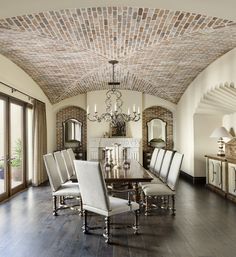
{"x": 157, "y": 189}
{"x": 155, "y": 180}
{"x": 69, "y": 189}
{"x": 117, "y": 206}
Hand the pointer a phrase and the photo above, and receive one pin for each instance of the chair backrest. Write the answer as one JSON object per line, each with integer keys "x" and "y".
{"x": 174, "y": 170}
{"x": 159, "y": 160}
{"x": 72, "y": 158}
{"x": 63, "y": 173}
{"x": 68, "y": 162}
{"x": 153, "y": 159}
{"x": 92, "y": 185}
{"x": 166, "y": 165}
{"x": 52, "y": 171}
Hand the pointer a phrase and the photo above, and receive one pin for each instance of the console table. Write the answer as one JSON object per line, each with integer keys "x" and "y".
{"x": 221, "y": 175}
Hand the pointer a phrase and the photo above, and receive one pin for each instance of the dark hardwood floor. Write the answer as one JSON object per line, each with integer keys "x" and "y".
{"x": 205, "y": 226}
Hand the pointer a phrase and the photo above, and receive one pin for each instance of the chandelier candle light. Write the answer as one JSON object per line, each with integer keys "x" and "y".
{"x": 114, "y": 115}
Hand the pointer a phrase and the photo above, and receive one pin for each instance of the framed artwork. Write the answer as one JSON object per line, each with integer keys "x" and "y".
{"x": 118, "y": 129}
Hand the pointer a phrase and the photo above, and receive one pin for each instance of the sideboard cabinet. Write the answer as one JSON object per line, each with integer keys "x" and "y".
{"x": 221, "y": 175}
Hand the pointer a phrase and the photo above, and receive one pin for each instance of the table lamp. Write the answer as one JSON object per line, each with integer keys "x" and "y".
{"x": 220, "y": 133}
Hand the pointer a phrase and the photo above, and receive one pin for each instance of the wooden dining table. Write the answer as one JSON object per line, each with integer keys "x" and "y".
{"x": 131, "y": 174}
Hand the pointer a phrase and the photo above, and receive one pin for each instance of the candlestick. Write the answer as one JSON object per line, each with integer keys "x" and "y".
{"x": 134, "y": 108}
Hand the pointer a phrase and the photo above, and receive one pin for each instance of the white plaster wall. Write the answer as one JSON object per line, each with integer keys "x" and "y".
{"x": 95, "y": 129}
{"x": 229, "y": 122}
{"x": 220, "y": 71}
{"x": 11, "y": 74}
{"x": 203, "y": 127}
{"x": 150, "y": 100}
{"x": 78, "y": 100}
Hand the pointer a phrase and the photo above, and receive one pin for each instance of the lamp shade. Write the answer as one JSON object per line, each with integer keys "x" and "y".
{"x": 220, "y": 132}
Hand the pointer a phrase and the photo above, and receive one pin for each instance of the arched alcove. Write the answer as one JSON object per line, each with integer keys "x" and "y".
{"x": 72, "y": 112}
{"x": 160, "y": 113}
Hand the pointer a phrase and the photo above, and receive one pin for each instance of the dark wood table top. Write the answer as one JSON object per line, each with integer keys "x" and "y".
{"x": 134, "y": 174}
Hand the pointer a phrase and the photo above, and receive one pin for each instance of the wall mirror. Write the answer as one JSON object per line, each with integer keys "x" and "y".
{"x": 156, "y": 133}
{"x": 72, "y": 132}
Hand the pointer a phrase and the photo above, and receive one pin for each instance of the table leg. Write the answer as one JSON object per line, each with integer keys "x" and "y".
{"x": 137, "y": 194}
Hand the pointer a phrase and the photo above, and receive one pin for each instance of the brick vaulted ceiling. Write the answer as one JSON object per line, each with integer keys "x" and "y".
{"x": 159, "y": 51}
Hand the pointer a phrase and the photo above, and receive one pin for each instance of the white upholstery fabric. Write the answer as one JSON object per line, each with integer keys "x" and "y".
{"x": 72, "y": 158}
{"x": 68, "y": 190}
{"x": 117, "y": 206}
{"x": 153, "y": 159}
{"x": 68, "y": 162}
{"x": 52, "y": 171}
{"x": 166, "y": 165}
{"x": 174, "y": 170}
{"x": 63, "y": 173}
{"x": 157, "y": 190}
{"x": 94, "y": 192}
{"x": 159, "y": 160}
{"x": 92, "y": 185}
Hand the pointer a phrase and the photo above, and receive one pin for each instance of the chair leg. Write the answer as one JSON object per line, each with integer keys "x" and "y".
{"x": 81, "y": 207}
{"x": 107, "y": 230}
{"x": 62, "y": 200}
{"x": 136, "y": 222}
{"x": 146, "y": 207}
{"x": 54, "y": 199}
{"x": 85, "y": 224}
{"x": 173, "y": 205}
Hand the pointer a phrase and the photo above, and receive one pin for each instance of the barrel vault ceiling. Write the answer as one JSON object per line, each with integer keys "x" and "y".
{"x": 159, "y": 51}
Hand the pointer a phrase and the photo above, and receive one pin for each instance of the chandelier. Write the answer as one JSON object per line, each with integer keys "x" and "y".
{"x": 114, "y": 114}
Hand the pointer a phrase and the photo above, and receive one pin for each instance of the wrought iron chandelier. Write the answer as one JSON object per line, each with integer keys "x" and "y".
{"x": 114, "y": 115}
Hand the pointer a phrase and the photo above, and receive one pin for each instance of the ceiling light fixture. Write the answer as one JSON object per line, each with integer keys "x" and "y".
{"x": 114, "y": 113}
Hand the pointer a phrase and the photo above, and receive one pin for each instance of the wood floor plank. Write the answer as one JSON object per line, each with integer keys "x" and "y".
{"x": 203, "y": 227}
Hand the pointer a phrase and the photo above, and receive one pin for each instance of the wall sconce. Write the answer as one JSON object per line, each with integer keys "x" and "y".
{"x": 220, "y": 133}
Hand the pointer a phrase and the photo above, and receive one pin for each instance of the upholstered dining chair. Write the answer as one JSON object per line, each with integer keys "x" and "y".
{"x": 72, "y": 158}
{"x": 96, "y": 199}
{"x": 168, "y": 189}
{"x": 69, "y": 166}
{"x": 59, "y": 189}
{"x": 61, "y": 166}
{"x": 159, "y": 160}
{"x": 153, "y": 159}
{"x": 165, "y": 166}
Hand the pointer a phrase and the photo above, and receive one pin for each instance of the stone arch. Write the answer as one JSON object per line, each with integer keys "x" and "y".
{"x": 71, "y": 112}
{"x": 161, "y": 113}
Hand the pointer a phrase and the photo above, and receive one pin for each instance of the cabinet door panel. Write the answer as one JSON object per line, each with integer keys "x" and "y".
{"x": 218, "y": 181}
{"x": 215, "y": 173}
{"x": 211, "y": 178}
{"x": 232, "y": 178}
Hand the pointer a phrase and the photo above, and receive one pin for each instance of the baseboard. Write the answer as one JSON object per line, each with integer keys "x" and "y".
{"x": 193, "y": 180}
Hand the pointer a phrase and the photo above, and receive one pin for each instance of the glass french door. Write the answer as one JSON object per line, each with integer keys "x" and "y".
{"x": 3, "y": 153}
{"x": 12, "y": 147}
